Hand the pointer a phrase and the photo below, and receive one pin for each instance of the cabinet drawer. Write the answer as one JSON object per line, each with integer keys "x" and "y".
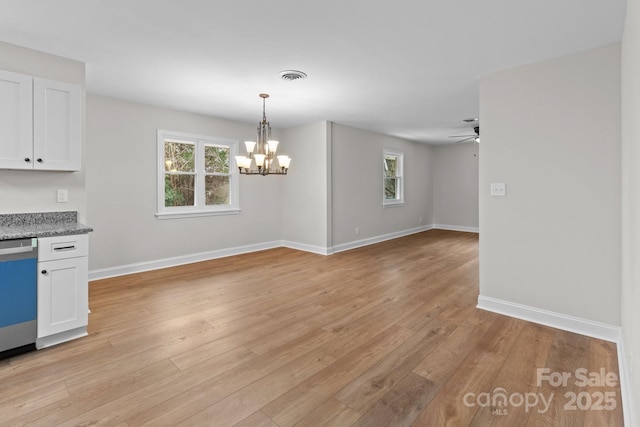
{"x": 61, "y": 247}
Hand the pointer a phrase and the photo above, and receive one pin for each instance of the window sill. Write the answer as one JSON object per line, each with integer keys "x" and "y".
{"x": 396, "y": 204}
{"x": 196, "y": 214}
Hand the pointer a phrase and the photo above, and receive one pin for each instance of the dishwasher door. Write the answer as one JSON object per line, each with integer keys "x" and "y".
{"x": 18, "y": 296}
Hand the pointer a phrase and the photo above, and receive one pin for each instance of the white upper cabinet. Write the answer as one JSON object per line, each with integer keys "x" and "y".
{"x": 39, "y": 123}
{"x": 56, "y": 125}
{"x": 16, "y": 121}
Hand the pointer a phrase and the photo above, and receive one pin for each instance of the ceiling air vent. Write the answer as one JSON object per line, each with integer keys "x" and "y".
{"x": 292, "y": 75}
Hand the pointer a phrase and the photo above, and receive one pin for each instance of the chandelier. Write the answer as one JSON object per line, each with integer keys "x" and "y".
{"x": 262, "y": 153}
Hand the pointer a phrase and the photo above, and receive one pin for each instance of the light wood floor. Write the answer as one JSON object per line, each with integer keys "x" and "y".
{"x": 382, "y": 335}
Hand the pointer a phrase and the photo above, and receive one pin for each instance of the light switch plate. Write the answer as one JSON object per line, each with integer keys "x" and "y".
{"x": 498, "y": 189}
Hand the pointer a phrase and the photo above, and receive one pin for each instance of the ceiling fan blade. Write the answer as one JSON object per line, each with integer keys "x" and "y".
{"x": 461, "y": 136}
{"x": 466, "y": 139}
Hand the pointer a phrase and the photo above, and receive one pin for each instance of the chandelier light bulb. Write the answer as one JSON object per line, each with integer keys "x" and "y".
{"x": 250, "y": 146}
{"x": 259, "y": 159}
{"x": 273, "y": 145}
{"x": 284, "y": 161}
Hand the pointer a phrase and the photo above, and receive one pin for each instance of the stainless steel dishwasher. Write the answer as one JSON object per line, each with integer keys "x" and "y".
{"x": 18, "y": 296}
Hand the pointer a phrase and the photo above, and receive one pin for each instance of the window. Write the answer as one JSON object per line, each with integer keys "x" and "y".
{"x": 196, "y": 175}
{"x": 393, "y": 185}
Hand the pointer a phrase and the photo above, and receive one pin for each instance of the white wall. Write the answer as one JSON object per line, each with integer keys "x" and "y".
{"x": 551, "y": 132}
{"x": 455, "y": 186}
{"x": 31, "y": 191}
{"x": 306, "y": 188}
{"x": 121, "y": 187}
{"x": 631, "y": 201}
{"x": 356, "y": 164}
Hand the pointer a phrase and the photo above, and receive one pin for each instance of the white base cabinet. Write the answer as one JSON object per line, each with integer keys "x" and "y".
{"x": 63, "y": 292}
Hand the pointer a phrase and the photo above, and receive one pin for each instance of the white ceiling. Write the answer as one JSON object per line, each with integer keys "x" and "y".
{"x": 408, "y": 68}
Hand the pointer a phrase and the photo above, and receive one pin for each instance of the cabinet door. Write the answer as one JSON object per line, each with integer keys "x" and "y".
{"x": 16, "y": 149}
{"x": 62, "y": 295}
{"x": 56, "y": 125}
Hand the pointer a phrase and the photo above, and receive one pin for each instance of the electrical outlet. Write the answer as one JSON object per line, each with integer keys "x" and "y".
{"x": 62, "y": 196}
{"x": 420, "y": 220}
{"x": 498, "y": 189}
{"x": 357, "y": 230}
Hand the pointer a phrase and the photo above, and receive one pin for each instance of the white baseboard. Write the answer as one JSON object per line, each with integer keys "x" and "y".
{"x": 140, "y": 267}
{"x": 628, "y": 409}
{"x": 180, "y": 260}
{"x": 565, "y": 322}
{"x": 457, "y": 228}
{"x": 307, "y": 248}
{"x": 377, "y": 239}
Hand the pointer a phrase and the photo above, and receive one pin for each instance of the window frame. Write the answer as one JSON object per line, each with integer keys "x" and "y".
{"x": 399, "y": 176}
{"x": 199, "y": 208}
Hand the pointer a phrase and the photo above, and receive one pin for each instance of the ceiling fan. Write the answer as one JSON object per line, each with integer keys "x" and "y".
{"x": 475, "y": 137}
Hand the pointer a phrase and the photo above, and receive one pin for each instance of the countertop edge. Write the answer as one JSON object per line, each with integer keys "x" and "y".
{"x": 41, "y": 224}
{"x": 44, "y": 231}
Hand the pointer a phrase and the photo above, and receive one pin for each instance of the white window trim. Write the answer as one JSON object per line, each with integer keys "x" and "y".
{"x": 200, "y": 209}
{"x": 400, "y": 175}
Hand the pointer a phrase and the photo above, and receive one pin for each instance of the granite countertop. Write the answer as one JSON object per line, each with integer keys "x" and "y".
{"x": 40, "y": 224}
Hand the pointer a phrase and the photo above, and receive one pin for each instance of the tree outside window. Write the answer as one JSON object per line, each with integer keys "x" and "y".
{"x": 180, "y": 173}
{"x": 217, "y": 177}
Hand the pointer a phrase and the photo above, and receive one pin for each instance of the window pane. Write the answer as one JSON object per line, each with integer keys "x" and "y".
{"x": 179, "y": 157}
{"x": 390, "y": 188}
{"x": 390, "y": 165}
{"x": 179, "y": 190}
{"x": 217, "y": 190}
{"x": 216, "y": 159}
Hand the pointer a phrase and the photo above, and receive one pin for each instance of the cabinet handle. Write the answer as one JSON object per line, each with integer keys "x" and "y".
{"x": 27, "y": 159}
{"x": 40, "y": 160}
{"x": 44, "y": 272}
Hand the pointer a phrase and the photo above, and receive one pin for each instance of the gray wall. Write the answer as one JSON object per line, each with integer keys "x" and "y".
{"x": 551, "y": 132}
{"x": 121, "y": 187}
{"x": 356, "y": 167}
{"x": 30, "y": 191}
{"x": 306, "y": 189}
{"x": 631, "y": 198}
{"x": 300, "y": 210}
{"x": 455, "y": 186}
